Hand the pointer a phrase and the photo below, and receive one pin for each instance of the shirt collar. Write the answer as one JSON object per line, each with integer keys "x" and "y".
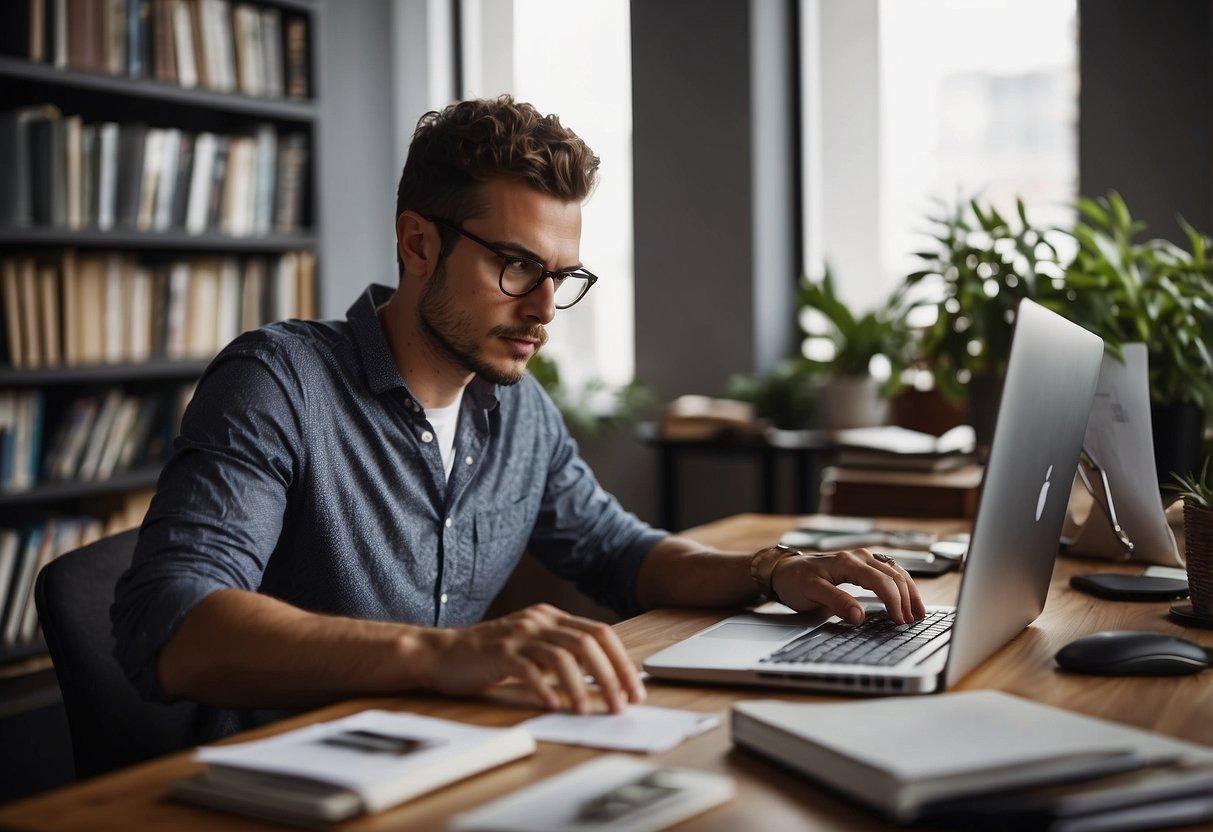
{"x": 378, "y": 364}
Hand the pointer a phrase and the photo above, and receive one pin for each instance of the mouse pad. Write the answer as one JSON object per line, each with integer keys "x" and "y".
{"x": 1116, "y": 587}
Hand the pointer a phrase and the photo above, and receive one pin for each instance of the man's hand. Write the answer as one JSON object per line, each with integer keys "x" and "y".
{"x": 529, "y": 645}
{"x": 807, "y": 582}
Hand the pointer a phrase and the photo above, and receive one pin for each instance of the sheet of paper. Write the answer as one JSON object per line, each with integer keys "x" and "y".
{"x": 1166, "y": 572}
{"x": 639, "y": 728}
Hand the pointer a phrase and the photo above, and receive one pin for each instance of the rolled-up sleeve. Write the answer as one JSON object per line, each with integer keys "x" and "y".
{"x": 219, "y": 505}
{"x": 582, "y": 533}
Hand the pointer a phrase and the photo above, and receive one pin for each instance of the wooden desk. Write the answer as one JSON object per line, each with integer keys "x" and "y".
{"x": 768, "y": 797}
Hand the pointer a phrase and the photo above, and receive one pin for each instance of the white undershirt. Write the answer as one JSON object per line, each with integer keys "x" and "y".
{"x": 444, "y": 420}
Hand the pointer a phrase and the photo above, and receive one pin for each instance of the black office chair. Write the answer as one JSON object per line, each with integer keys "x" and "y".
{"x": 111, "y": 726}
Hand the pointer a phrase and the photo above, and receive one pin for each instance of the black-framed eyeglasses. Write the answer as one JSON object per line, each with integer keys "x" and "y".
{"x": 521, "y": 274}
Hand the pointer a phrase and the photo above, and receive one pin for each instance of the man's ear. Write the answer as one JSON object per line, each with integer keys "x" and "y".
{"x": 417, "y": 244}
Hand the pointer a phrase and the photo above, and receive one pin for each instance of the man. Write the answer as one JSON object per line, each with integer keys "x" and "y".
{"x": 346, "y": 497}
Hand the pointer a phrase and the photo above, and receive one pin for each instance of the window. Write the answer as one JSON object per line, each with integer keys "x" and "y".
{"x": 573, "y": 59}
{"x": 910, "y": 100}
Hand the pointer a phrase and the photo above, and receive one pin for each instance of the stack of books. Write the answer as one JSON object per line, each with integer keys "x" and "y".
{"x": 70, "y": 308}
{"x": 985, "y": 760}
{"x": 66, "y": 173}
{"x": 97, "y": 435}
{"x": 897, "y": 449}
{"x": 214, "y": 44}
{"x": 700, "y": 418}
{"x": 24, "y": 551}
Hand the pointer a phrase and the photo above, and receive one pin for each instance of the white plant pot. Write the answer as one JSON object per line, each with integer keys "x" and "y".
{"x": 853, "y": 402}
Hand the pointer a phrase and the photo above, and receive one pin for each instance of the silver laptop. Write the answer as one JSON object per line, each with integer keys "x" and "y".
{"x": 1047, "y": 395}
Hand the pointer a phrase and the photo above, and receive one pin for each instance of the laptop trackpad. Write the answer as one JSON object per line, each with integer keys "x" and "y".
{"x": 754, "y": 632}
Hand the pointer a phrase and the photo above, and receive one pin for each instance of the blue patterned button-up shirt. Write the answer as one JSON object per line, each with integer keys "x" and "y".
{"x": 302, "y": 471}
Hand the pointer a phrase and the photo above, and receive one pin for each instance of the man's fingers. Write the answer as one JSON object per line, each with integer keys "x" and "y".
{"x": 838, "y": 601}
{"x": 903, "y": 586}
{"x": 531, "y": 676}
{"x": 609, "y": 641}
{"x": 916, "y": 603}
{"x": 586, "y": 649}
{"x": 561, "y": 662}
{"x": 854, "y": 569}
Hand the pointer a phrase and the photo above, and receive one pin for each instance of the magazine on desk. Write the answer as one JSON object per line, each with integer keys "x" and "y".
{"x": 333, "y": 771}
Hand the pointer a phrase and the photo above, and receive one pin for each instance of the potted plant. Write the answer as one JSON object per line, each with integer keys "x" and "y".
{"x": 851, "y": 396}
{"x": 1197, "y": 495}
{"x": 783, "y": 395}
{"x": 980, "y": 266}
{"x": 1158, "y": 293}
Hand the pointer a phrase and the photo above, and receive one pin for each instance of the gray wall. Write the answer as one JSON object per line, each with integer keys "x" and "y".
{"x": 374, "y": 85}
{"x": 714, "y": 268}
{"x": 358, "y": 169}
{"x": 715, "y": 222}
{"x": 1146, "y": 108}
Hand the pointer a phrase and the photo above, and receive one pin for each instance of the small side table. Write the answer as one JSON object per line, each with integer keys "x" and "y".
{"x": 808, "y": 450}
{"x": 867, "y": 492}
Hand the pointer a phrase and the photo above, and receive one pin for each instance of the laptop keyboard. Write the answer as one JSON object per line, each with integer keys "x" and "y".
{"x": 877, "y": 641}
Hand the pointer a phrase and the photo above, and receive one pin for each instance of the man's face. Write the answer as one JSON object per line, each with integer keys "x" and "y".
{"x": 463, "y": 310}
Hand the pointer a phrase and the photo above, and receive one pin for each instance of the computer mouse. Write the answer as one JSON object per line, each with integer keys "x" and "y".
{"x": 1133, "y": 653}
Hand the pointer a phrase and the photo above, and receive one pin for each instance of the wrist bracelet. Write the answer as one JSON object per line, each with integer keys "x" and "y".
{"x": 762, "y": 568}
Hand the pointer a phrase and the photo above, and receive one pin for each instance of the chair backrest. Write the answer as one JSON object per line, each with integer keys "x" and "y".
{"x": 111, "y": 725}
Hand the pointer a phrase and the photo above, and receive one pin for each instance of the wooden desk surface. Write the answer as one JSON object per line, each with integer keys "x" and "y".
{"x": 768, "y": 797}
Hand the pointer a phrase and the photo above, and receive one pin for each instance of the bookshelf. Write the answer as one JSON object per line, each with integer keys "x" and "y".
{"x": 92, "y": 94}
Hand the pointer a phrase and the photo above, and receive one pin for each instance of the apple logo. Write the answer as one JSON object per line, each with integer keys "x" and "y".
{"x": 1044, "y": 494}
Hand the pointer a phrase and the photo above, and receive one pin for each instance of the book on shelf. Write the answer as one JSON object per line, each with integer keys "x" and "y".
{"x": 249, "y": 48}
{"x": 71, "y": 308}
{"x": 25, "y": 551}
{"x": 76, "y": 175}
{"x": 92, "y": 437}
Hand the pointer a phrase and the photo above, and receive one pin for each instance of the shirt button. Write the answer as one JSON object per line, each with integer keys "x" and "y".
{"x": 443, "y": 598}
{"x": 448, "y": 522}
{"x": 467, "y": 460}
{"x": 426, "y": 436}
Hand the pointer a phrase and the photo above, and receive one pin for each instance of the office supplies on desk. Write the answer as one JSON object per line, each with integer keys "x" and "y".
{"x": 901, "y": 755}
{"x": 837, "y": 524}
{"x": 1132, "y": 653}
{"x": 1041, "y": 420}
{"x": 336, "y": 770}
{"x": 608, "y": 794}
{"x": 832, "y": 541}
{"x": 1116, "y": 587}
{"x": 639, "y": 728}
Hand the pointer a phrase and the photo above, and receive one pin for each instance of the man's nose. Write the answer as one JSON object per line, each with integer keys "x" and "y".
{"x": 540, "y": 302}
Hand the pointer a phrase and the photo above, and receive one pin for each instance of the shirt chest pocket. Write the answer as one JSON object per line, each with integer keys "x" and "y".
{"x": 499, "y": 536}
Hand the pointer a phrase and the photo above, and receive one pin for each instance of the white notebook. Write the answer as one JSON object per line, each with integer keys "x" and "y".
{"x": 367, "y": 762}
{"x": 900, "y": 753}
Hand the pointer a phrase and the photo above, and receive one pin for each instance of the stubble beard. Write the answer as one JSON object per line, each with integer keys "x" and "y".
{"x": 450, "y": 332}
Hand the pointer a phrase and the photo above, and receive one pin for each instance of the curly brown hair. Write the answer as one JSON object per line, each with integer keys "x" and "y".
{"x": 455, "y": 151}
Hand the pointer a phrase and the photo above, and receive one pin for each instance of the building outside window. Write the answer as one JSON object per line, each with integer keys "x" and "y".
{"x": 908, "y": 101}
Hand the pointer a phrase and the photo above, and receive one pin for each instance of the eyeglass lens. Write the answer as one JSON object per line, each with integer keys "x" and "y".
{"x": 518, "y": 276}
